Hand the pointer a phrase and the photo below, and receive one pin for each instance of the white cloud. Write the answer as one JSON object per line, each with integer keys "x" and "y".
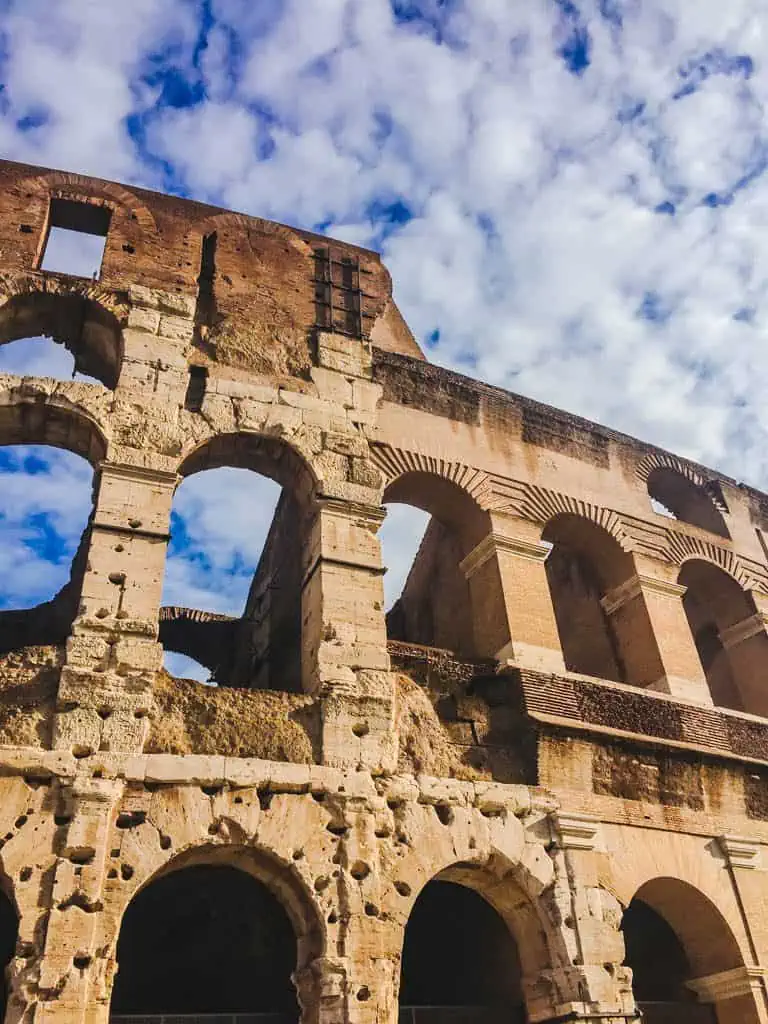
{"x": 543, "y": 244}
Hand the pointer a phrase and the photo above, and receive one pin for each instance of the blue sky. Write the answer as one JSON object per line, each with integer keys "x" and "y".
{"x": 571, "y": 196}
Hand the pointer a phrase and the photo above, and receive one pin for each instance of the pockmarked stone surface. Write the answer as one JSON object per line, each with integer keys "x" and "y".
{"x": 536, "y": 790}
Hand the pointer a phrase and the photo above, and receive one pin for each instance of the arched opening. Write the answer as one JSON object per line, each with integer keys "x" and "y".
{"x": 673, "y": 494}
{"x": 676, "y": 941}
{"x": 460, "y": 963}
{"x": 729, "y": 636}
{"x": 46, "y": 500}
{"x": 9, "y": 930}
{"x": 434, "y": 524}
{"x": 36, "y": 322}
{"x": 603, "y": 625}
{"x": 206, "y": 939}
{"x": 232, "y": 598}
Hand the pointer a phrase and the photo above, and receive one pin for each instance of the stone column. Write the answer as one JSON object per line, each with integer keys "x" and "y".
{"x": 512, "y": 611}
{"x": 741, "y": 995}
{"x": 71, "y": 968}
{"x": 596, "y": 986}
{"x": 345, "y": 657}
{"x": 105, "y": 690}
{"x": 747, "y": 645}
{"x": 671, "y": 663}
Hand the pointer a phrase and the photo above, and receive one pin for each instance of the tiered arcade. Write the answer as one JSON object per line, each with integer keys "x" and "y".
{"x": 535, "y": 790}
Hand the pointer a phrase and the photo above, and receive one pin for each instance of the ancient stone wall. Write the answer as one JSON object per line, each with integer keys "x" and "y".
{"x": 565, "y": 720}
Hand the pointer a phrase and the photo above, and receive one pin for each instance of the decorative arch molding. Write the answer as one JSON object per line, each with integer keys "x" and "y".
{"x": 244, "y": 226}
{"x": 397, "y": 462}
{"x": 663, "y": 460}
{"x": 541, "y": 505}
{"x": 748, "y": 574}
{"x": 60, "y": 184}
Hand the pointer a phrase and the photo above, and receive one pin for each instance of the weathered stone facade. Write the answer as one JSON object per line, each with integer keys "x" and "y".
{"x": 564, "y": 713}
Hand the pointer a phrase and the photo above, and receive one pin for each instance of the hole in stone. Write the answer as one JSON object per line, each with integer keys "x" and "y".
{"x": 20, "y": 821}
{"x": 126, "y": 872}
{"x": 444, "y": 814}
{"x": 104, "y": 713}
{"x": 81, "y": 750}
{"x": 333, "y": 917}
{"x": 212, "y": 790}
{"x": 337, "y": 830}
{"x": 322, "y": 883}
{"x": 363, "y": 994}
{"x": 318, "y": 796}
{"x": 361, "y": 729}
{"x": 140, "y": 713}
{"x": 371, "y": 910}
{"x": 403, "y": 888}
{"x": 265, "y": 799}
{"x": 25, "y": 874}
{"x": 360, "y": 870}
{"x": 81, "y": 961}
{"x": 112, "y": 873}
{"x": 61, "y": 819}
{"x": 84, "y": 856}
{"x": 165, "y": 842}
{"x": 238, "y": 800}
{"x": 298, "y": 854}
{"x": 131, "y": 819}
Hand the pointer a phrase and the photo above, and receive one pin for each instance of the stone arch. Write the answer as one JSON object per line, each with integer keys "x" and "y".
{"x": 541, "y": 505}
{"x": 261, "y": 647}
{"x": 729, "y": 634}
{"x": 457, "y": 523}
{"x": 80, "y": 315}
{"x": 701, "y": 952}
{"x": 491, "y": 857}
{"x": 686, "y": 500}
{"x": 288, "y": 896}
{"x": 29, "y": 416}
{"x": 281, "y": 459}
{"x": 601, "y": 616}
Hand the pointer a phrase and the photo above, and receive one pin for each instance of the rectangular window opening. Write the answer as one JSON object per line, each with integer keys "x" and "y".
{"x": 76, "y": 239}
{"x": 196, "y": 385}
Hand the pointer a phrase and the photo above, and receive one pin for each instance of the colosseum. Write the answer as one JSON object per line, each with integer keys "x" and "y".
{"x": 536, "y": 790}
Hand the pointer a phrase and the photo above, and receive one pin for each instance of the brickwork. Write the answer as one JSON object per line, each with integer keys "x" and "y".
{"x": 566, "y": 715}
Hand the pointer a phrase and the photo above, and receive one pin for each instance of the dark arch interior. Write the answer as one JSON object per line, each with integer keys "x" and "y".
{"x": 458, "y": 952}
{"x": 686, "y": 500}
{"x": 585, "y": 563}
{"x": 660, "y": 968}
{"x": 206, "y": 939}
{"x": 9, "y": 929}
{"x": 714, "y": 603}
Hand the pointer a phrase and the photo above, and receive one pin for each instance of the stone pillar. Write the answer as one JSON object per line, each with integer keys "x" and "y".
{"x": 670, "y": 664}
{"x": 741, "y": 995}
{"x": 344, "y": 643}
{"x": 747, "y": 645}
{"x": 105, "y": 690}
{"x": 596, "y": 986}
{"x": 512, "y": 611}
{"x": 71, "y": 968}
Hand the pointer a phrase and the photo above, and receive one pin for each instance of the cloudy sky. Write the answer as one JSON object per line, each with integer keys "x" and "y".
{"x": 571, "y": 196}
